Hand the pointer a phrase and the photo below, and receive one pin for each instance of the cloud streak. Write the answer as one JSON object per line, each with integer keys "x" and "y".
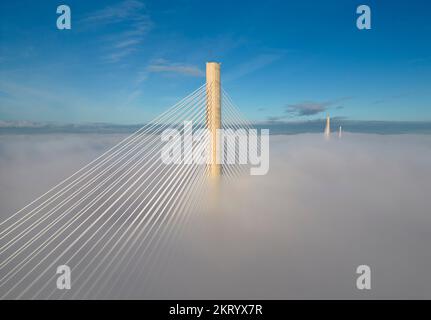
{"x": 163, "y": 66}
{"x": 309, "y": 108}
{"x": 254, "y": 64}
{"x": 125, "y": 10}
{"x": 129, "y": 16}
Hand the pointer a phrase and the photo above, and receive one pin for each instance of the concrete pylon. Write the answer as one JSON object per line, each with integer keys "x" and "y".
{"x": 213, "y": 88}
{"x": 328, "y": 127}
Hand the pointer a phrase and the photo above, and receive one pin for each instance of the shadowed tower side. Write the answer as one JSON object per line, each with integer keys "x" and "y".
{"x": 213, "y": 111}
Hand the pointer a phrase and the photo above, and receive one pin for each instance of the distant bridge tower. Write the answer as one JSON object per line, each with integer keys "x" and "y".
{"x": 213, "y": 112}
{"x": 328, "y": 127}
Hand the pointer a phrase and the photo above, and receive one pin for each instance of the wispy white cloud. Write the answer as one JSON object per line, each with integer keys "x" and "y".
{"x": 119, "y": 12}
{"x": 117, "y": 55}
{"x": 132, "y": 19}
{"x": 132, "y": 96}
{"x": 256, "y": 63}
{"x": 127, "y": 43}
{"x": 308, "y": 108}
{"x": 160, "y": 66}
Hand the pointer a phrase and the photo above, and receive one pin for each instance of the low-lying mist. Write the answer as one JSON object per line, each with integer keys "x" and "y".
{"x": 324, "y": 208}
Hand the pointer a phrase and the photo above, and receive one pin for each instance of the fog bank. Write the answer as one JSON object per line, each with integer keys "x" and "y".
{"x": 324, "y": 208}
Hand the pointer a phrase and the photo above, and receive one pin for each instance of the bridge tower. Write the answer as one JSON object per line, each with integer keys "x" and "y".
{"x": 213, "y": 113}
{"x": 328, "y": 127}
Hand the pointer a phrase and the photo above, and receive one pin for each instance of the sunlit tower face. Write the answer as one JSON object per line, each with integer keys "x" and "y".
{"x": 214, "y": 114}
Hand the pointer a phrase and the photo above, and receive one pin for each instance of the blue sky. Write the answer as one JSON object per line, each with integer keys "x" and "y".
{"x": 127, "y": 61}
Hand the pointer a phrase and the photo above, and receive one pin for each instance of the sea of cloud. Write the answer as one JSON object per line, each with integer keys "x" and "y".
{"x": 324, "y": 208}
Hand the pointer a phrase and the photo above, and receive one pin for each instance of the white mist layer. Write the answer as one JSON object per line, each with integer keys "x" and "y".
{"x": 324, "y": 208}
